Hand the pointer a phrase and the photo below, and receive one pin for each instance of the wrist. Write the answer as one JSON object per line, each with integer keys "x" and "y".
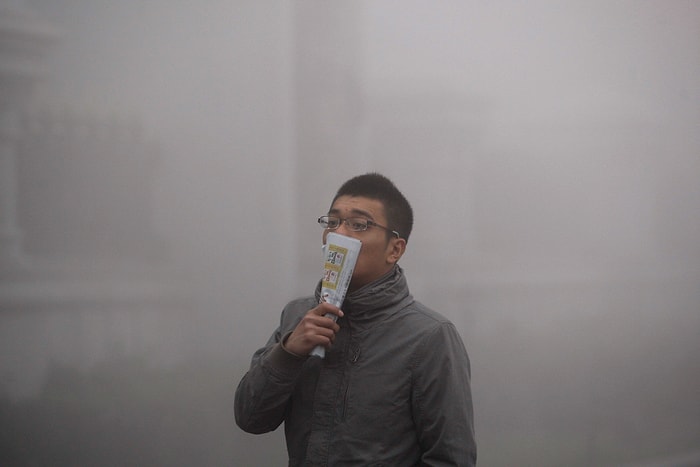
{"x": 283, "y": 344}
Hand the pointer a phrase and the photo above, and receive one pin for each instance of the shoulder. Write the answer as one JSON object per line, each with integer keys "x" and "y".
{"x": 296, "y": 309}
{"x": 300, "y": 303}
{"x": 420, "y": 315}
{"x": 432, "y": 329}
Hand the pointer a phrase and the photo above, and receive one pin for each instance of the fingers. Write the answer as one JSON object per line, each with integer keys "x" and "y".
{"x": 325, "y": 307}
{"x": 314, "y": 329}
{"x": 321, "y": 320}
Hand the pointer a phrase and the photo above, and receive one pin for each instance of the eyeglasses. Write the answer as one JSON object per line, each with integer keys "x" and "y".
{"x": 356, "y": 224}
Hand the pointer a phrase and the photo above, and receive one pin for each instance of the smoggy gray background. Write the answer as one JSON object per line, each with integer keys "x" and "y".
{"x": 551, "y": 151}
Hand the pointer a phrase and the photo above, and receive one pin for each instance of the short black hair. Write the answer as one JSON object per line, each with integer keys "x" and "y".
{"x": 399, "y": 214}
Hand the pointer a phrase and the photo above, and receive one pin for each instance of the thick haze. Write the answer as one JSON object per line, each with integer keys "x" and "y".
{"x": 581, "y": 290}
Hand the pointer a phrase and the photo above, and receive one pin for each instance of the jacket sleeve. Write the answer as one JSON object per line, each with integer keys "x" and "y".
{"x": 264, "y": 391}
{"x": 442, "y": 400}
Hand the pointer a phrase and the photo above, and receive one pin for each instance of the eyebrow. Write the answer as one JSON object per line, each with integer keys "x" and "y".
{"x": 354, "y": 212}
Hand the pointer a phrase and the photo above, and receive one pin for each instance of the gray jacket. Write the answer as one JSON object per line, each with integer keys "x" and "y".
{"x": 393, "y": 390}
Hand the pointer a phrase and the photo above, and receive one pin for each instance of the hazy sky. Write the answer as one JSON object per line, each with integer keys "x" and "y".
{"x": 555, "y": 82}
{"x": 174, "y": 61}
{"x": 587, "y": 139}
{"x": 541, "y": 60}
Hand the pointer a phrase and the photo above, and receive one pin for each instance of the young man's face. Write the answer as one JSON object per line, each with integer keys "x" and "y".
{"x": 377, "y": 255}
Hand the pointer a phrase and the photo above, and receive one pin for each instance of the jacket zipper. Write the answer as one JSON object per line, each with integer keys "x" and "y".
{"x": 348, "y": 368}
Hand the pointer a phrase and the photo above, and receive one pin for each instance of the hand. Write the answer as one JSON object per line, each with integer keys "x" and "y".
{"x": 314, "y": 329}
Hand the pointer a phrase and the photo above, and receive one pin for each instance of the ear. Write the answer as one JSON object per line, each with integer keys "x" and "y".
{"x": 395, "y": 250}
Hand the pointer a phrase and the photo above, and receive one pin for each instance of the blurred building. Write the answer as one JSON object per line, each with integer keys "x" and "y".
{"x": 83, "y": 276}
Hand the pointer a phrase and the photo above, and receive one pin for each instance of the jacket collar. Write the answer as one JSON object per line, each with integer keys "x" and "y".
{"x": 377, "y": 300}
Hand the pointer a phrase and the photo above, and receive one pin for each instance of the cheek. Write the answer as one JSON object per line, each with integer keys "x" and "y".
{"x": 361, "y": 258}
{"x": 368, "y": 255}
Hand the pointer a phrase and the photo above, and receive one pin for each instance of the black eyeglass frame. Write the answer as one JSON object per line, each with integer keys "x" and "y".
{"x": 369, "y": 223}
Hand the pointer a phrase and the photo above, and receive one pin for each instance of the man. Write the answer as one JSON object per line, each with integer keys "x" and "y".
{"x": 394, "y": 387}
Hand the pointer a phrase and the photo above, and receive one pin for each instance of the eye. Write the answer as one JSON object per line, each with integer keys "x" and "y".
{"x": 332, "y": 223}
{"x": 357, "y": 224}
